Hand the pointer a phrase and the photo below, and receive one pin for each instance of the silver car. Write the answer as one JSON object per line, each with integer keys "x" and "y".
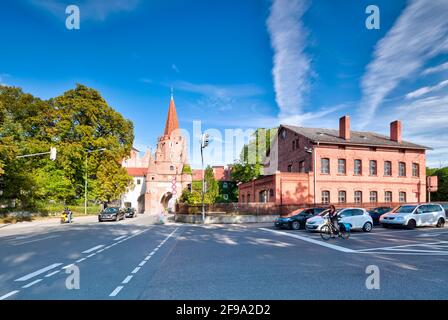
{"x": 415, "y": 215}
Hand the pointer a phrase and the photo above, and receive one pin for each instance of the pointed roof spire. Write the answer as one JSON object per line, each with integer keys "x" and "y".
{"x": 171, "y": 121}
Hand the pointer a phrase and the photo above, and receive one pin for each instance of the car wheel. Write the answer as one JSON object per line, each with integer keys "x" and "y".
{"x": 440, "y": 223}
{"x": 411, "y": 224}
{"x": 295, "y": 225}
{"x": 367, "y": 227}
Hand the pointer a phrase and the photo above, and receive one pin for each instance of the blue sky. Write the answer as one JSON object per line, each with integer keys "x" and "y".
{"x": 241, "y": 64}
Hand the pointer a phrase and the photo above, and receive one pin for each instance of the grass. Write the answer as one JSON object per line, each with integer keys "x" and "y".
{"x": 46, "y": 211}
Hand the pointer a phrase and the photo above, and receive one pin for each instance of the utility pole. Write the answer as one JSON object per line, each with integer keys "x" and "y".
{"x": 205, "y": 140}
{"x": 312, "y": 151}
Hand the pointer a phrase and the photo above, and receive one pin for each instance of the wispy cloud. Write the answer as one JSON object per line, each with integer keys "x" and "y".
{"x": 418, "y": 34}
{"x": 436, "y": 69}
{"x": 425, "y": 90}
{"x": 291, "y": 68}
{"x": 220, "y": 91}
{"x": 96, "y": 10}
{"x": 175, "y": 68}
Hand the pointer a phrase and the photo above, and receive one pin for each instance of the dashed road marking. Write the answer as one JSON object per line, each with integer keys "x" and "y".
{"x": 136, "y": 270}
{"x": 6, "y": 296}
{"x": 127, "y": 279}
{"x": 52, "y": 274}
{"x": 38, "y": 272}
{"x": 116, "y": 291}
{"x": 31, "y": 283}
{"x": 93, "y": 249}
{"x": 80, "y": 260}
{"x": 119, "y": 238}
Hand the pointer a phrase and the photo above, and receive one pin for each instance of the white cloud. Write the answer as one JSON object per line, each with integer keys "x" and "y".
{"x": 291, "y": 68}
{"x": 418, "y": 34}
{"x": 436, "y": 69}
{"x": 425, "y": 90}
{"x": 97, "y": 10}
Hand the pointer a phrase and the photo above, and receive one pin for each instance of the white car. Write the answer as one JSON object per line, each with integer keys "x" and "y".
{"x": 415, "y": 215}
{"x": 357, "y": 218}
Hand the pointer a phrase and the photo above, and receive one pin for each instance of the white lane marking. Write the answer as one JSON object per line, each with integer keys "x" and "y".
{"x": 128, "y": 278}
{"x": 31, "y": 283}
{"x": 9, "y": 294}
{"x": 116, "y": 291}
{"x": 38, "y": 272}
{"x": 93, "y": 249}
{"x": 404, "y": 246}
{"x": 147, "y": 258}
{"x": 141, "y": 264}
{"x": 68, "y": 266}
{"x": 101, "y": 250}
{"x": 119, "y": 238}
{"x": 91, "y": 255}
{"x": 35, "y": 240}
{"x": 404, "y": 253}
{"x": 80, "y": 260}
{"x": 320, "y": 243}
{"x": 52, "y": 274}
{"x": 135, "y": 270}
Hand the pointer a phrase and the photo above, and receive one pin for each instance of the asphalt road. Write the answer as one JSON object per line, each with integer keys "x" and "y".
{"x": 132, "y": 259}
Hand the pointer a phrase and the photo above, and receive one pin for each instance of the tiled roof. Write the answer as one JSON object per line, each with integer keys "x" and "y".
{"x": 331, "y": 136}
{"x": 137, "y": 172}
{"x": 171, "y": 120}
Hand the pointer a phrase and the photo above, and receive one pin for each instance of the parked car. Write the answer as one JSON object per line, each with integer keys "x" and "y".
{"x": 111, "y": 214}
{"x": 376, "y": 213}
{"x": 357, "y": 218}
{"x": 130, "y": 212}
{"x": 445, "y": 207}
{"x": 298, "y": 218}
{"x": 415, "y": 215}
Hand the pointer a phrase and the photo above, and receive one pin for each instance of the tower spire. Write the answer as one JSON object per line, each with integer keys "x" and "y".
{"x": 171, "y": 121}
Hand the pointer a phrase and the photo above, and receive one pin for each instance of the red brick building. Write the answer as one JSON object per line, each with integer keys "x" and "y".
{"x": 351, "y": 167}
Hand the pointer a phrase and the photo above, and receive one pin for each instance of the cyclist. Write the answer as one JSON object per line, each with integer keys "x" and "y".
{"x": 332, "y": 214}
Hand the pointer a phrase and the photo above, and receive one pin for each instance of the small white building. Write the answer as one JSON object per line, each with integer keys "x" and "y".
{"x": 135, "y": 197}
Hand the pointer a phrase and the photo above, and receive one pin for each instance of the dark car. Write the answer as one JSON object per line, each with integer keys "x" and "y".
{"x": 376, "y": 213}
{"x": 111, "y": 214}
{"x": 445, "y": 207}
{"x": 297, "y": 220}
{"x": 130, "y": 212}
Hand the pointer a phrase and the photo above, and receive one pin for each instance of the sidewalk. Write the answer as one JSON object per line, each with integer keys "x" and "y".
{"x": 46, "y": 222}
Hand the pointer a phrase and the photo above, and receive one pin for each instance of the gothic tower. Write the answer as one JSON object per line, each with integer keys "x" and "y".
{"x": 165, "y": 177}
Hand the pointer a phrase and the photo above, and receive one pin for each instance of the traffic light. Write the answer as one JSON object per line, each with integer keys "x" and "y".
{"x": 205, "y": 140}
{"x": 53, "y": 153}
{"x": 189, "y": 187}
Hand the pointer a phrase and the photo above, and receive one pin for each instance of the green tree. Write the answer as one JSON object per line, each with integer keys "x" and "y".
{"x": 442, "y": 176}
{"x": 212, "y": 186}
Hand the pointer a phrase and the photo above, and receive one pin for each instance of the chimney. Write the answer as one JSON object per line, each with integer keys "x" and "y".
{"x": 395, "y": 131}
{"x": 344, "y": 127}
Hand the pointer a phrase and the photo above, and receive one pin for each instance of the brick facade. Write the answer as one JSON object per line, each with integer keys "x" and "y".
{"x": 290, "y": 174}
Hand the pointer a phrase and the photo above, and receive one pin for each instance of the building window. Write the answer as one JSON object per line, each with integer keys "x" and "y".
{"x": 402, "y": 169}
{"x": 325, "y": 197}
{"x": 358, "y": 167}
{"x": 290, "y": 168}
{"x": 342, "y": 197}
{"x": 294, "y": 145}
{"x": 224, "y": 185}
{"x": 341, "y": 166}
{"x": 172, "y": 168}
{"x": 373, "y": 196}
{"x": 248, "y": 197}
{"x": 225, "y": 196}
{"x": 388, "y": 196}
{"x": 263, "y": 196}
{"x": 387, "y": 168}
{"x": 325, "y": 166}
{"x": 358, "y": 196}
{"x": 139, "y": 181}
{"x": 271, "y": 193}
{"x": 242, "y": 198}
{"x": 297, "y": 143}
{"x": 302, "y": 166}
{"x": 372, "y": 168}
{"x": 402, "y": 197}
{"x": 415, "y": 170}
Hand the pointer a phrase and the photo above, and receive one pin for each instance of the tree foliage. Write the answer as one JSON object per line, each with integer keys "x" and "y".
{"x": 76, "y": 122}
{"x": 194, "y": 197}
{"x": 442, "y": 192}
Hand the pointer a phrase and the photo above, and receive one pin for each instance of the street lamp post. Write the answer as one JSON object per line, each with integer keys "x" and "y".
{"x": 205, "y": 140}
{"x": 312, "y": 151}
{"x": 85, "y": 177}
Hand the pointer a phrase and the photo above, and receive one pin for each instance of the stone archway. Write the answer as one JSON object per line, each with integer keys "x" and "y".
{"x": 165, "y": 201}
{"x": 141, "y": 204}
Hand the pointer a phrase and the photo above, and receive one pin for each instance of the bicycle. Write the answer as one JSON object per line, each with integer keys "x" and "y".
{"x": 328, "y": 230}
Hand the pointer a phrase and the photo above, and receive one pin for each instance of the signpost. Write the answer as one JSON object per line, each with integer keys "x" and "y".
{"x": 431, "y": 185}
